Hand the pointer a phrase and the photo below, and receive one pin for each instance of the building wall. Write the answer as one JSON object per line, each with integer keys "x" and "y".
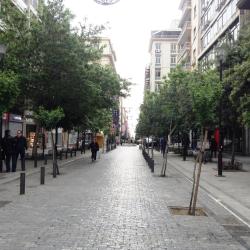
{"x": 163, "y": 57}
{"x": 216, "y": 18}
{"x": 108, "y": 57}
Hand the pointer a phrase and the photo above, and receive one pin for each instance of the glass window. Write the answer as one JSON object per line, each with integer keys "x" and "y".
{"x": 158, "y": 60}
{"x": 157, "y": 74}
{"x": 157, "y": 46}
{"x": 173, "y": 59}
{"x": 173, "y": 47}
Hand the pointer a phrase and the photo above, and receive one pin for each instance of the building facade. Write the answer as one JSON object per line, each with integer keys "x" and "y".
{"x": 184, "y": 41}
{"x": 108, "y": 55}
{"x": 163, "y": 55}
{"x": 218, "y": 18}
{"x": 147, "y": 80}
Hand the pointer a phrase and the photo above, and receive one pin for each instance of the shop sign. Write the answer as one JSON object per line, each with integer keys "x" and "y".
{"x": 28, "y": 113}
{"x": 30, "y": 120}
{"x": 15, "y": 118}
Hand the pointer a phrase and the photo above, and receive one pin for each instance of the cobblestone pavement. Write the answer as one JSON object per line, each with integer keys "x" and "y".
{"x": 114, "y": 203}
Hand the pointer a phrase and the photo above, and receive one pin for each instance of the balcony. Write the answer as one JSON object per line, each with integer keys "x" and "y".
{"x": 243, "y": 4}
{"x": 186, "y": 14}
{"x": 185, "y": 33}
{"x": 184, "y": 52}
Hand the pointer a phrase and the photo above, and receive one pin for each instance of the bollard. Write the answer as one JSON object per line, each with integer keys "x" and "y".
{"x": 66, "y": 154}
{"x": 45, "y": 160}
{"x": 71, "y": 152}
{"x": 22, "y": 183}
{"x": 153, "y": 166}
{"x": 75, "y": 152}
{"x": 42, "y": 179}
{"x": 61, "y": 155}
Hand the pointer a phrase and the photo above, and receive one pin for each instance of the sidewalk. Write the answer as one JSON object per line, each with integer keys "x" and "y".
{"x": 230, "y": 191}
{"x": 30, "y": 169}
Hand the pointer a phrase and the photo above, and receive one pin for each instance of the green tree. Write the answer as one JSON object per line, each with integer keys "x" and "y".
{"x": 49, "y": 120}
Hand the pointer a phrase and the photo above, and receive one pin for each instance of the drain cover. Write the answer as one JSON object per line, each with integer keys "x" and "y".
{"x": 3, "y": 203}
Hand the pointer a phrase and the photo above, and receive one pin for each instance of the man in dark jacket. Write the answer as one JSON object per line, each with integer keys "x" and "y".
{"x": 94, "y": 147}
{"x": 7, "y": 149}
{"x": 19, "y": 147}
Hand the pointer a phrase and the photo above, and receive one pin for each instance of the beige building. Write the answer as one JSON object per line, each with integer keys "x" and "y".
{"x": 163, "y": 55}
{"x": 108, "y": 56}
{"x": 184, "y": 41}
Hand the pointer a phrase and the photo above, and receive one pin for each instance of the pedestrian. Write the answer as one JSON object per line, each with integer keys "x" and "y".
{"x": 213, "y": 147}
{"x": 94, "y": 147}
{"x": 185, "y": 145}
{"x": 19, "y": 147}
{"x": 163, "y": 144}
{"x": 7, "y": 145}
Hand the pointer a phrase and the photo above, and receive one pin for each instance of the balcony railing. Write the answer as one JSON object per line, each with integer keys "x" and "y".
{"x": 182, "y": 51}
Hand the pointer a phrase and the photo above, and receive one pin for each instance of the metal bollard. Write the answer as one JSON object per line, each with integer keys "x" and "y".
{"x": 71, "y": 151}
{"x": 153, "y": 166}
{"x": 45, "y": 160}
{"x": 42, "y": 179}
{"x": 60, "y": 155}
{"x": 22, "y": 183}
{"x": 66, "y": 154}
{"x": 75, "y": 152}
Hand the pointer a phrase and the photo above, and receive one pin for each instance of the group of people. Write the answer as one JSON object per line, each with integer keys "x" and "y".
{"x": 12, "y": 147}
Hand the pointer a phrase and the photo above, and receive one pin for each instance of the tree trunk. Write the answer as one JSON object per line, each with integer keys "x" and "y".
{"x": 233, "y": 148}
{"x": 194, "y": 181}
{"x": 165, "y": 162}
{"x": 34, "y": 150}
{"x": 199, "y": 173}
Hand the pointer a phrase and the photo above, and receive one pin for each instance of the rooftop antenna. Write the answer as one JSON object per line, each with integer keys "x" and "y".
{"x": 106, "y": 2}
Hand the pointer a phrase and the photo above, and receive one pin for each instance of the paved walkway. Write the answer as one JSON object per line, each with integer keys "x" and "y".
{"x": 232, "y": 190}
{"x": 114, "y": 203}
{"x": 30, "y": 169}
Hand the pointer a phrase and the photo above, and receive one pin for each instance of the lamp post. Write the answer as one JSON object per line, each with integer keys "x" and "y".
{"x": 221, "y": 56}
{"x": 106, "y": 2}
{"x": 2, "y": 53}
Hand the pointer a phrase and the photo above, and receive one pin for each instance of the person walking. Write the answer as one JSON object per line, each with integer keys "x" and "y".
{"x": 19, "y": 147}
{"x": 94, "y": 147}
{"x": 213, "y": 147}
{"x": 7, "y": 144}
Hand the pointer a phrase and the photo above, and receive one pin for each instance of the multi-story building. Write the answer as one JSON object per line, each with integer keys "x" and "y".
{"x": 108, "y": 55}
{"x": 217, "y": 18}
{"x": 163, "y": 51}
{"x": 184, "y": 42}
{"x": 147, "y": 80}
{"x": 27, "y": 5}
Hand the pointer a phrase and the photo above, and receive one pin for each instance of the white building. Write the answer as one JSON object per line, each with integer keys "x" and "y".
{"x": 27, "y": 5}
{"x": 108, "y": 56}
{"x": 184, "y": 41}
{"x": 163, "y": 55}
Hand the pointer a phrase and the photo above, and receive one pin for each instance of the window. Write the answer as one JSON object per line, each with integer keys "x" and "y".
{"x": 157, "y": 74}
{"x": 173, "y": 48}
{"x": 157, "y": 59}
{"x": 195, "y": 11}
{"x": 194, "y": 32}
{"x": 173, "y": 60}
{"x": 157, "y": 47}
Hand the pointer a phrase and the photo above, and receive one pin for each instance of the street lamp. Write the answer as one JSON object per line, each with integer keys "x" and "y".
{"x": 220, "y": 56}
{"x": 106, "y": 2}
{"x": 2, "y": 53}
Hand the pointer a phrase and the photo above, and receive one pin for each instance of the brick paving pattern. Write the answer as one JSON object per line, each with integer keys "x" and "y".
{"x": 114, "y": 203}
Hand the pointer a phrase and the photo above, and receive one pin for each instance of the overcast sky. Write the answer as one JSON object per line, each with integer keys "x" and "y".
{"x": 130, "y": 23}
